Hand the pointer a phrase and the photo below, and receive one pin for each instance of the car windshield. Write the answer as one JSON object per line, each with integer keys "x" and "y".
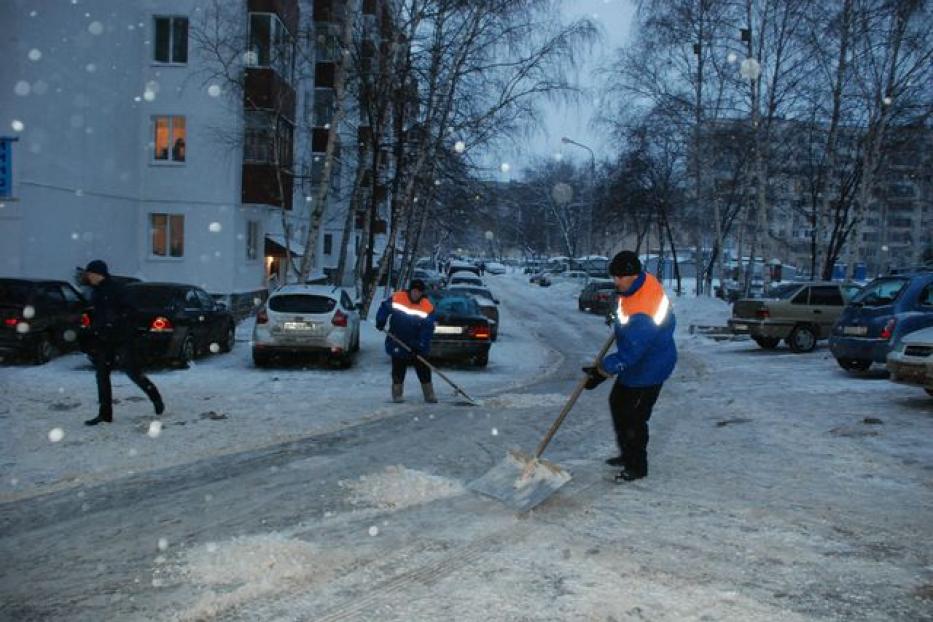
{"x": 474, "y": 291}
{"x": 301, "y": 303}
{"x": 880, "y": 292}
{"x": 14, "y": 292}
{"x": 154, "y": 296}
{"x": 456, "y": 305}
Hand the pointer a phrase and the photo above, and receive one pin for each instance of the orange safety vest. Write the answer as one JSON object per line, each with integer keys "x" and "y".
{"x": 401, "y": 302}
{"x": 650, "y": 299}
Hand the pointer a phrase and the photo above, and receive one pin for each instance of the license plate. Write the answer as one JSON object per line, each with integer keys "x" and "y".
{"x": 298, "y": 326}
{"x": 448, "y": 330}
{"x": 855, "y": 330}
{"x": 740, "y": 327}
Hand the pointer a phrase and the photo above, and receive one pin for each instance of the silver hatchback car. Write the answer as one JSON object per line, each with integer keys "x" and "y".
{"x": 311, "y": 319}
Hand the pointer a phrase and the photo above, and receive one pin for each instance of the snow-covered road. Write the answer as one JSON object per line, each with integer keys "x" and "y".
{"x": 769, "y": 498}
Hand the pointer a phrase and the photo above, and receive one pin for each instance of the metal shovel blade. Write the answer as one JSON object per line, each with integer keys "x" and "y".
{"x": 521, "y": 481}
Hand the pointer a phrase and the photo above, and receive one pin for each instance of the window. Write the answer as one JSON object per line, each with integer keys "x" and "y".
{"x": 827, "y": 296}
{"x": 191, "y": 300}
{"x": 167, "y": 235}
{"x": 51, "y": 294}
{"x": 881, "y": 292}
{"x": 269, "y": 43}
{"x": 171, "y": 39}
{"x": 169, "y": 143}
{"x": 268, "y": 139}
{"x": 346, "y": 302}
{"x": 801, "y": 298}
{"x": 204, "y": 298}
{"x": 325, "y": 75}
{"x": 328, "y": 243}
{"x": 324, "y": 103}
{"x": 926, "y": 296}
{"x": 252, "y": 239}
{"x": 71, "y": 295}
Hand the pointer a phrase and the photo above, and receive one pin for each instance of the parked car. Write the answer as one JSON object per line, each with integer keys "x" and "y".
{"x": 461, "y": 331}
{"x": 176, "y": 323}
{"x": 541, "y": 278}
{"x": 886, "y": 309}
{"x": 597, "y": 297}
{"x": 494, "y": 267}
{"x": 432, "y": 279}
{"x": 87, "y": 290}
{"x": 575, "y": 275}
{"x": 465, "y": 278}
{"x": 462, "y": 266}
{"x": 798, "y": 313}
{"x": 40, "y": 317}
{"x": 488, "y": 304}
{"x": 911, "y": 362}
{"x": 307, "y": 319}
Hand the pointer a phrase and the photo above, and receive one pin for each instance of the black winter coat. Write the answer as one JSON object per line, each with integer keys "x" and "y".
{"x": 111, "y": 313}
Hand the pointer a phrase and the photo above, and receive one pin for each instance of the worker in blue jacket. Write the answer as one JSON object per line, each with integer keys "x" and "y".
{"x": 410, "y": 318}
{"x": 645, "y": 358}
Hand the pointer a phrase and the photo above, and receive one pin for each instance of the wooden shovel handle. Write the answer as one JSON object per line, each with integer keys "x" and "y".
{"x": 573, "y": 400}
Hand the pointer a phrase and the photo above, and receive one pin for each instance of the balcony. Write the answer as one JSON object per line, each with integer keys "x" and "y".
{"x": 261, "y": 185}
{"x": 266, "y": 90}
{"x": 286, "y": 10}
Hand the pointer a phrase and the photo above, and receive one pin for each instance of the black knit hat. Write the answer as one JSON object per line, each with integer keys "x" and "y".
{"x": 625, "y": 263}
{"x": 97, "y": 267}
{"x": 417, "y": 284}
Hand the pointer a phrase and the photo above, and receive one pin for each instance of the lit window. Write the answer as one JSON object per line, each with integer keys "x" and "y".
{"x": 169, "y": 139}
{"x": 171, "y": 39}
{"x": 167, "y": 235}
{"x": 252, "y": 239}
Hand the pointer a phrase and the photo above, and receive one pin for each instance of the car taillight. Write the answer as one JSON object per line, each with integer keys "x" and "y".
{"x": 161, "y": 324}
{"x": 261, "y": 316}
{"x": 339, "y": 319}
{"x": 762, "y": 314}
{"x": 479, "y": 332}
{"x": 85, "y": 320}
{"x": 10, "y": 321}
{"x": 888, "y": 329}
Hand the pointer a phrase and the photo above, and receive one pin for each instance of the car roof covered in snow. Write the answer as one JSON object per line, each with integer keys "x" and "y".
{"x": 330, "y": 291}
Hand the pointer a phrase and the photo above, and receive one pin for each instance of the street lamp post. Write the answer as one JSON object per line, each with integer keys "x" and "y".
{"x": 589, "y": 209}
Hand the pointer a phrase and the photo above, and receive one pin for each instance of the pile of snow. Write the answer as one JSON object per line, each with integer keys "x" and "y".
{"x": 249, "y": 567}
{"x": 701, "y": 310}
{"x": 398, "y": 487}
{"x": 526, "y": 400}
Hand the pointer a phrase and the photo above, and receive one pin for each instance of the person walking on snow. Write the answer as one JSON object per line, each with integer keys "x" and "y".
{"x": 410, "y": 317}
{"x": 645, "y": 358}
{"x": 111, "y": 340}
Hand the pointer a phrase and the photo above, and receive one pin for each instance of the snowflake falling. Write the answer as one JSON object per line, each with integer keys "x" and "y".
{"x": 155, "y": 429}
{"x": 34, "y": 55}
{"x": 459, "y": 146}
{"x": 215, "y": 227}
{"x": 95, "y": 28}
{"x": 56, "y": 435}
{"x": 374, "y": 531}
{"x": 750, "y": 69}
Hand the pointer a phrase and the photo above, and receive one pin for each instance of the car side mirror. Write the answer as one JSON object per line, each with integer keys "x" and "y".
{"x": 495, "y": 300}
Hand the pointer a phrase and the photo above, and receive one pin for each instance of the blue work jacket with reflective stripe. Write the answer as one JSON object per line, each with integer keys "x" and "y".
{"x": 644, "y": 331}
{"x": 412, "y": 322}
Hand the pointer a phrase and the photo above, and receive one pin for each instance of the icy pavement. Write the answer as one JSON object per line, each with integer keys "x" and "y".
{"x": 774, "y": 494}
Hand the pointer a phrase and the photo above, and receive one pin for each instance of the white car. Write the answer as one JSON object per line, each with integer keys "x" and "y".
{"x": 494, "y": 267}
{"x": 465, "y": 278}
{"x": 911, "y": 362}
{"x": 311, "y": 319}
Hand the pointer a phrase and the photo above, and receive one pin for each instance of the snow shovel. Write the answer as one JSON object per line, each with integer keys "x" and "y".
{"x": 434, "y": 369}
{"x": 522, "y": 481}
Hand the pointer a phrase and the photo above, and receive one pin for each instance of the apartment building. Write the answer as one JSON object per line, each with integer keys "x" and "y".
{"x": 135, "y": 149}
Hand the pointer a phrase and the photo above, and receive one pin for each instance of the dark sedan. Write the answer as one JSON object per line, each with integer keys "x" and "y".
{"x": 872, "y": 325}
{"x": 177, "y": 322}
{"x": 461, "y": 331}
{"x": 597, "y": 297}
{"x": 40, "y": 317}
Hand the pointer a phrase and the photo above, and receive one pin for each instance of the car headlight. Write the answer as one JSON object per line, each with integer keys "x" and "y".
{"x": 900, "y": 347}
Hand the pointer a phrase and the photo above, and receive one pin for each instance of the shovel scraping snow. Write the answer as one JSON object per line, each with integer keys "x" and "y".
{"x": 522, "y": 481}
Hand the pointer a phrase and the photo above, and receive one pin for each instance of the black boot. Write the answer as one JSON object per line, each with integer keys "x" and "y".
{"x": 616, "y": 462}
{"x": 628, "y": 475}
{"x": 99, "y": 419}
{"x": 157, "y": 403}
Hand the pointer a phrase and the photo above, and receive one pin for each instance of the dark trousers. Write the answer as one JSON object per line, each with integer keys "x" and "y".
{"x": 631, "y": 410}
{"x": 107, "y": 357}
{"x": 400, "y": 366}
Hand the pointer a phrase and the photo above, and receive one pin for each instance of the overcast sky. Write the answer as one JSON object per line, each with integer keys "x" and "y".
{"x": 615, "y": 18}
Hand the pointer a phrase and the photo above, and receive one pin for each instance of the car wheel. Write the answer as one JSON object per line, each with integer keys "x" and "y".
{"x": 768, "y": 343}
{"x": 260, "y": 359}
{"x": 43, "y": 350}
{"x": 229, "y": 339}
{"x": 854, "y": 364}
{"x": 802, "y": 339}
{"x": 481, "y": 360}
{"x": 929, "y": 392}
{"x": 186, "y": 353}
